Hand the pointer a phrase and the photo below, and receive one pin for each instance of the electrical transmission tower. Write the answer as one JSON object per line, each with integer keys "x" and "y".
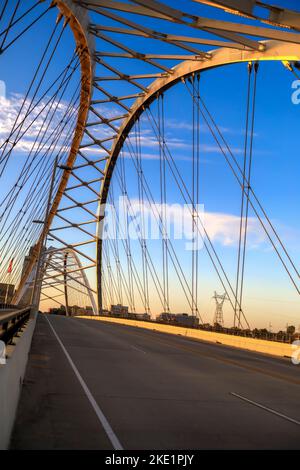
{"x": 220, "y": 299}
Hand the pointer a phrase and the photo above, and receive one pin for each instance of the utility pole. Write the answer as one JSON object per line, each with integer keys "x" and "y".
{"x": 36, "y": 291}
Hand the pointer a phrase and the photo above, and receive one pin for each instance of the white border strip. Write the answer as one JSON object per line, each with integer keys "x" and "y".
{"x": 107, "y": 427}
{"x": 266, "y": 409}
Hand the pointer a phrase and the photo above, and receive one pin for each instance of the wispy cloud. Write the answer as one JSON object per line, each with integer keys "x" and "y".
{"x": 221, "y": 228}
{"x": 15, "y": 114}
{"x": 177, "y": 124}
{"x": 154, "y": 156}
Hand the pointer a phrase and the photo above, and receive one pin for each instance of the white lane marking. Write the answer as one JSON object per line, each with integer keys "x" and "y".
{"x": 107, "y": 427}
{"x": 270, "y": 410}
{"x": 138, "y": 349}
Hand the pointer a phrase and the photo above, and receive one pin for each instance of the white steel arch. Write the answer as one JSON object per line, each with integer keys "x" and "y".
{"x": 273, "y": 51}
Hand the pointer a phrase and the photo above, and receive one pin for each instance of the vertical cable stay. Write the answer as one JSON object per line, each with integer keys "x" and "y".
{"x": 133, "y": 272}
{"x": 165, "y": 218}
{"x": 140, "y": 285}
{"x": 124, "y": 283}
{"x": 152, "y": 270}
{"x": 111, "y": 278}
{"x": 163, "y": 200}
{"x": 151, "y": 267}
{"x": 236, "y": 309}
{"x": 195, "y": 82}
{"x": 115, "y": 237}
{"x": 217, "y": 264}
{"x": 192, "y": 81}
{"x": 107, "y": 289}
{"x": 105, "y": 296}
{"x": 121, "y": 282}
{"x": 251, "y": 190}
{"x": 248, "y": 187}
{"x": 251, "y": 203}
{"x": 197, "y": 188}
{"x": 138, "y": 149}
{"x": 127, "y": 237}
{"x": 171, "y": 251}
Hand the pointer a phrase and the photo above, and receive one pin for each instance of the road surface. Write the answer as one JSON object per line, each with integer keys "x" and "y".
{"x": 96, "y": 385}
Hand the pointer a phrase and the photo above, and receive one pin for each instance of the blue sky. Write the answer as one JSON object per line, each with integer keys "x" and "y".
{"x": 269, "y": 295}
{"x": 275, "y": 179}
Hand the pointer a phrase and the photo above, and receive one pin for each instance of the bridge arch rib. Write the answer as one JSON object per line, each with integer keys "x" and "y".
{"x": 78, "y": 20}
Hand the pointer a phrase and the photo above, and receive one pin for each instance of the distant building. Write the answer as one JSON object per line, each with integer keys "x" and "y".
{"x": 140, "y": 316}
{"x": 119, "y": 310}
{"x": 58, "y": 310}
{"x": 76, "y": 310}
{"x": 181, "y": 319}
{"x": 187, "y": 320}
{"x": 6, "y": 293}
{"x": 166, "y": 317}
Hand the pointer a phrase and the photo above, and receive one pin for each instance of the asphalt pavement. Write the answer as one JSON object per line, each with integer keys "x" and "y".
{"x": 96, "y": 385}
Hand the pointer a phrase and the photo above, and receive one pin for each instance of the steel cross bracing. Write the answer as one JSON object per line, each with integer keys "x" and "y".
{"x": 113, "y": 97}
{"x": 63, "y": 280}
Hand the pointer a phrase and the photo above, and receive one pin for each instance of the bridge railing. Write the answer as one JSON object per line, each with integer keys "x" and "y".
{"x": 12, "y": 322}
{"x": 6, "y": 306}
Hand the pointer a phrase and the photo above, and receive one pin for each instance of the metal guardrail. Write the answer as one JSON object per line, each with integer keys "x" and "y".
{"x": 12, "y": 322}
{"x": 4, "y": 306}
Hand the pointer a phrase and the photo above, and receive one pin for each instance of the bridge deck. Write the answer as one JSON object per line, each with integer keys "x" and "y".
{"x": 155, "y": 391}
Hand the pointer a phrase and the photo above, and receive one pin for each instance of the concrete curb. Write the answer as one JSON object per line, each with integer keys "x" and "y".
{"x": 251, "y": 344}
{"x": 11, "y": 378}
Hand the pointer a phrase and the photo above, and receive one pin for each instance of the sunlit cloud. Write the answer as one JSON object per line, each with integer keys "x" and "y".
{"x": 221, "y": 228}
{"x": 23, "y": 122}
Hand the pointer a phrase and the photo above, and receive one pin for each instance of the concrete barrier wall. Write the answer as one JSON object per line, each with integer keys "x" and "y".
{"x": 252, "y": 344}
{"x": 11, "y": 378}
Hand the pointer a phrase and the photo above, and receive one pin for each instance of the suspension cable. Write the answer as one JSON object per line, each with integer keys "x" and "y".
{"x": 236, "y": 314}
{"x": 248, "y": 186}
{"x": 250, "y": 201}
{"x": 188, "y": 200}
